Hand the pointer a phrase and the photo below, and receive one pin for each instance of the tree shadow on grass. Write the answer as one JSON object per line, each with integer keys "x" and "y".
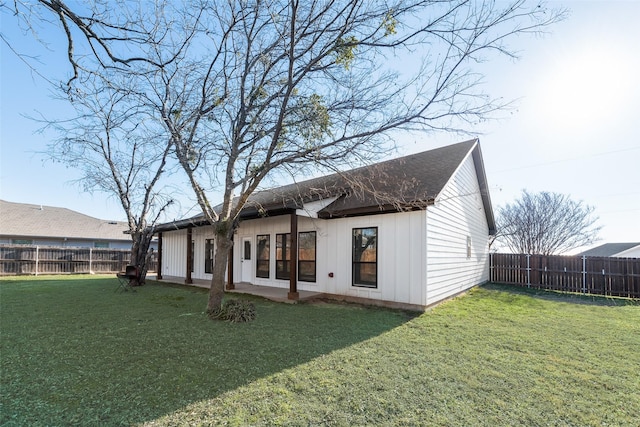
{"x": 75, "y": 352}
{"x": 573, "y": 298}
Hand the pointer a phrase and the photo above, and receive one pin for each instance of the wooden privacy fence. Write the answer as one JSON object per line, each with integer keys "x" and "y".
{"x": 19, "y": 259}
{"x": 590, "y": 275}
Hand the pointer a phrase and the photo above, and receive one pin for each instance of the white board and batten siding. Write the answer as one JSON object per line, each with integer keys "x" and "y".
{"x": 174, "y": 247}
{"x": 174, "y": 253}
{"x": 457, "y": 216}
{"x": 401, "y": 254}
{"x": 423, "y": 256}
{"x": 400, "y": 258}
{"x": 250, "y": 229}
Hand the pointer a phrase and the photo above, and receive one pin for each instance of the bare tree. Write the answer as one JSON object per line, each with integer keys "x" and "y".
{"x": 546, "y": 223}
{"x": 118, "y": 146}
{"x": 247, "y": 90}
{"x": 288, "y": 84}
{"x": 122, "y": 151}
{"x": 99, "y": 34}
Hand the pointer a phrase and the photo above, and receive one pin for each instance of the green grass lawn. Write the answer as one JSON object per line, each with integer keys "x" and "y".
{"x": 74, "y": 352}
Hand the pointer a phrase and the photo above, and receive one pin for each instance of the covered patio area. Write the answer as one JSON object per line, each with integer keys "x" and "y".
{"x": 271, "y": 293}
{"x": 267, "y": 292}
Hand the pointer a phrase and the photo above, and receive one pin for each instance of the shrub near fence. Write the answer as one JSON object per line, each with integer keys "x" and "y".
{"x": 591, "y": 275}
{"x": 18, "y": 259}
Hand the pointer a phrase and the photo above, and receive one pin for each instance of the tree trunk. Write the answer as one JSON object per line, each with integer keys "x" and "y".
{"x": 218, "y": 279}
{"x": 140, "y": 255}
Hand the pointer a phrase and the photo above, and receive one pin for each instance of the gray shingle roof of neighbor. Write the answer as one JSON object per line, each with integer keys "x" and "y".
{"x": 609, "y": 249}
{"x": 26, "y": 220}
{"x": 409, "y": 182}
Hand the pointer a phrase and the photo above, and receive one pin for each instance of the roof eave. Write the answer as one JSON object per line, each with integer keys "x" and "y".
{"x": 484, "y": 189}
{"x": 373, "y": 210}
{"x": 180, "y": 224}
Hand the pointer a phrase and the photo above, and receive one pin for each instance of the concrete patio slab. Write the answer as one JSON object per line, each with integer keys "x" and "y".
{"x": 267, "y": 292}
{"x": 271, "y": 293}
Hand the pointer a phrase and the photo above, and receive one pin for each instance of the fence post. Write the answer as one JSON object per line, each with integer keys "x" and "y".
{"x": 528, "y": 271}
{"x": 90, "y": 260}
{"x": 37, "y": 256}
{"x": 490, "y": 267}
{"x": 584, "y": 274}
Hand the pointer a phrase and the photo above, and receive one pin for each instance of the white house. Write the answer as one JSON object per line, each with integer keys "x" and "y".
{"x": 407, "y": 232}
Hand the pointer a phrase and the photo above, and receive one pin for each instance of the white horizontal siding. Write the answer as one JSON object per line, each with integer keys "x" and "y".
{"x": 630, "y": 253}
{"x": 72, "y": 243}
{"x": 457, "y": 213}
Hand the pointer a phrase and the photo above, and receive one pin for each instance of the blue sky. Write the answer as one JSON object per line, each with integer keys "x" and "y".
{"x": 574, "y": 130}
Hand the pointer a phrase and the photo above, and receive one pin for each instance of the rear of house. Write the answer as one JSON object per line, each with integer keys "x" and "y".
{"x": 399, "y": 244}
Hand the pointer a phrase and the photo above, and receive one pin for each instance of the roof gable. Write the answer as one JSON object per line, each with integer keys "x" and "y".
{"x": 409, "y": 182}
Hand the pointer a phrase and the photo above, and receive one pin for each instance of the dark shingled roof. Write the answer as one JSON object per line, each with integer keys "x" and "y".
{"x": 409, "y": 182}
{"x": 25, "y": 220}
{"x": 609, "y": 249}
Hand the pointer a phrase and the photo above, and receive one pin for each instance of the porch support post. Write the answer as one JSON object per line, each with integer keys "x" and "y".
{"x": 293, "y": 263}
{"x": 159, "y": 263}
{"x": 230, "y": 284}
{"x": 188, "y": 280}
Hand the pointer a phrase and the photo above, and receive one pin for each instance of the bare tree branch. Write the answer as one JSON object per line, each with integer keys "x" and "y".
{"x": 308, "y": 84}
{"x": 246, "y": 90}
{"x": 546, "y": 223}
{"x": 120, "y": 151}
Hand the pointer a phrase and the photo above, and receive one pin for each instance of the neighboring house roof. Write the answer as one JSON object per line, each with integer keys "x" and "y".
{"x": 609, "y": 249}
{"x": 25, "y": 220}
{"x": 406, "y": 183}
